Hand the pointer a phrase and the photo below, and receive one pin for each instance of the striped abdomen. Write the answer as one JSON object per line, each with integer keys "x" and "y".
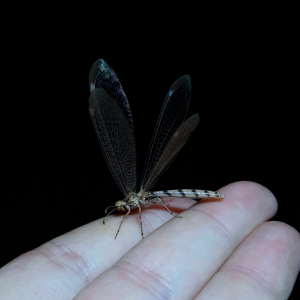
{"x": 195, "y": 194}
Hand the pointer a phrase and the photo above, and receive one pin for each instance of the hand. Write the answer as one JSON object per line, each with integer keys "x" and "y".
{"x": 217, "y": 250}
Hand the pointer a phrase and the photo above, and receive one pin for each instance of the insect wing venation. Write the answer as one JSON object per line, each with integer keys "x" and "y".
{"x": 116, "y": 139}
{"x": 175, "y": 144}
{"x": 171, "y": 116}
{"x": 102, "y": 75}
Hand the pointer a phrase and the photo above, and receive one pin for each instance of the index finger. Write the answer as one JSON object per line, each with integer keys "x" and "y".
{"x": 62, "y": 267}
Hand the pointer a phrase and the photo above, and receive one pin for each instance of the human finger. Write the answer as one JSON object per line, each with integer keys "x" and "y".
{"x": 179, "y": 258}
{"x": 60, "y": 268}
{"x": 264, "y": 266}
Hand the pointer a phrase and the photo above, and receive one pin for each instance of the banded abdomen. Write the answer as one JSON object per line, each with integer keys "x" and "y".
{"x": 195, "y": 194}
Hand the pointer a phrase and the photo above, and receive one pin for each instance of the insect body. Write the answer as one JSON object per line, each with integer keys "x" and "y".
{"x": 111, "y": 115}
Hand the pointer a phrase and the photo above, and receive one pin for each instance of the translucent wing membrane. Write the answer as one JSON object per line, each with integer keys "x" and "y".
{"x": 170, "y": 118}
{"x": 177, "y": 141}
{"x": 110, "y": 113}
{"x": 116, "y": 138}
{"x": 102, "y": 75}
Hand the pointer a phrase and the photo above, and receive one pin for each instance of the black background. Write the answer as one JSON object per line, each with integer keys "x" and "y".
{"x": 56, "y": 178}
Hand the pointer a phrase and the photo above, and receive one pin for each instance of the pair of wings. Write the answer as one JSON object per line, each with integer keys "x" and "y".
{"x": 111, "y": 115}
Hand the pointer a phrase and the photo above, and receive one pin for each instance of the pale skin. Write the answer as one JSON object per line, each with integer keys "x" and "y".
{"x": 218, "y": 250}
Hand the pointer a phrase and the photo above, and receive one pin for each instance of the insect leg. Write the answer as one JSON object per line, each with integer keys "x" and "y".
{"x": 140, "y": 215}
{"x": 122, "y": 222}
{"x": 163, "y": 203}
{"x": 154, "y": 201}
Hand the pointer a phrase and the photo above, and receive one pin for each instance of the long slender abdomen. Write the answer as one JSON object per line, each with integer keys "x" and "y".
{"x": 195, "y": 194}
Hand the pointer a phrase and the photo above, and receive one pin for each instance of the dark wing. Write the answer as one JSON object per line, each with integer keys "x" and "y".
{"x": 170, "y": 118}
{"x": 177, "y": 141}
{"x": 102, "y": 75}
{"x": 116, "y": 138}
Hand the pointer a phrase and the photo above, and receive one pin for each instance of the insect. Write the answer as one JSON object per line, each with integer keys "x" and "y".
{"x": 111, "y": 115}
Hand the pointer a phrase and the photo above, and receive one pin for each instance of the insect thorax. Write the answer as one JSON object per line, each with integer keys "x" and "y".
{"x": 134, "y": 198}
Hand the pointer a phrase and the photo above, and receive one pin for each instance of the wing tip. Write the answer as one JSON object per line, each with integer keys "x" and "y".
{"x": 195, "y": 118}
